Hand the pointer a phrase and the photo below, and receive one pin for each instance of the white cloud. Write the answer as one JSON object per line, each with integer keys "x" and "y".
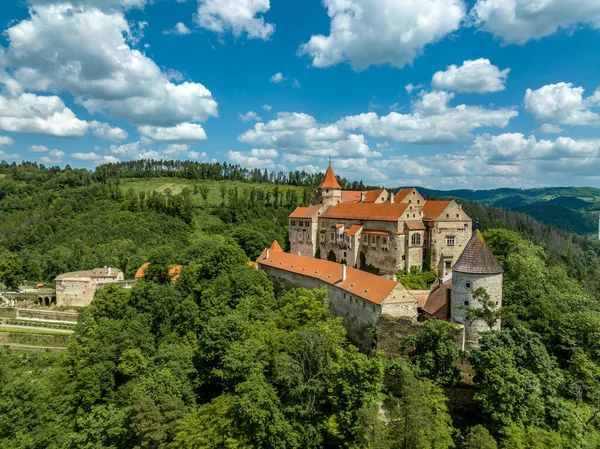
{"x": 97, "y": 64}
{"x": 97, "y": 159}
{"x": 277, "y": 78}
{"x": 30, "y": 113}
{"x": 546, "y": 128}
{"x": 39, "y": 149}
{"x": 107, "y": 132}
{"x": 517, "y": 21}
{"x": 181, "y": 132}
{"x": 52, "y": 156}
{"x": 237, "y": 16}
{"x": 249, "y": 160}
{"x": 248, "y": 116}
{"x": 179, "y": 29}
{"x": 5, "y": 141}
{"x": 431, "y": 122}
{"x": 300, "y": 134}
{"x": 109, "y": 5}
{"x": 296, "y": 84}
{"x": 267, "y": 107}
{"x": 370, "y": 32}
{"x": 563, "y": 104}
{"x": 478, "y": 76}
{"x": 411, "y": 87}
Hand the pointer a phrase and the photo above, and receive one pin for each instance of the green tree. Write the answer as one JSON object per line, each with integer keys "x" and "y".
{"x": 11, "y": 269}
{"x": 435, "y": 352}
{"x": 478, "y": 437}
{"x": 331, "y": 256}
{"x": 488, "y": 312}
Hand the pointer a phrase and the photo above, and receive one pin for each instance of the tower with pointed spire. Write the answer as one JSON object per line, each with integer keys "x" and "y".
{"x": 476, "y": 267}
{"x": 329, "y": 192}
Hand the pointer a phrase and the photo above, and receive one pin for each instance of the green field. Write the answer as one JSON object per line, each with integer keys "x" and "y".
{"x": 176, "y": 185}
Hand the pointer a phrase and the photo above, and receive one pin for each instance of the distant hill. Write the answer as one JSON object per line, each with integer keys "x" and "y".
{"x": 572, "y": 209}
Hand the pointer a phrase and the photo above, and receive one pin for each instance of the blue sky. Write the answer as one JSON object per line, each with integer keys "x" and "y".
{"x": 437, "y": 93}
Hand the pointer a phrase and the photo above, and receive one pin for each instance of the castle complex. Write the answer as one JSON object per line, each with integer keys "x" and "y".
{"x": 389, "y": 232}
{"x": 378, "y": 228}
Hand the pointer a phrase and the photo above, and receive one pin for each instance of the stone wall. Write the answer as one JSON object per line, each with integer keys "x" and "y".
{"x": 462, "y": 287}
{"x": 77, "y": 293}
{"x": 453, "y": 222}
{"x": 360, "y": 316}
{"x": 391, "y": 330}
{"x": 303, "y": 239}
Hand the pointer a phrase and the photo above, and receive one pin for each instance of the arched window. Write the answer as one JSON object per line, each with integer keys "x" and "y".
{"x": 416, "y": 239}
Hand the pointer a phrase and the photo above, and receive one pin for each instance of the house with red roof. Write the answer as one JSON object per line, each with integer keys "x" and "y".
{"x": 376, "y": 227}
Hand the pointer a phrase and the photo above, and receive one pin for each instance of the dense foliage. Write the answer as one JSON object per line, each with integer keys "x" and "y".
{"x": 217, "y": 360}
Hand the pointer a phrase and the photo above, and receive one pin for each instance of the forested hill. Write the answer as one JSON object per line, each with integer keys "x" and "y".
{"x": 573, "y": 209}
{"x": 216, "y": 360}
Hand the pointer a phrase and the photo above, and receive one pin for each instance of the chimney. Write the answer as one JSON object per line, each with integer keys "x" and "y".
{"x": 268, "y": 253}
{"x": 343, "y": 272}
{"x": 362, "y": 196}
{"x": 392, "y": 197}
{"x": 108, "y": 270}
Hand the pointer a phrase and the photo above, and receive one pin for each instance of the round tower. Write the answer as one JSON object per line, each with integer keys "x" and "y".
{"x": 329, "y": 192}
{"x": 476, "y": 267}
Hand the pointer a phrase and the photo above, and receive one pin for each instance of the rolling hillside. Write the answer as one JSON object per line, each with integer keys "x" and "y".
{"x": 572, "y": 209}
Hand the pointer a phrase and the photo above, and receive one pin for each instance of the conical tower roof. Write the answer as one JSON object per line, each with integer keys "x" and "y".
{"x": 276, "y": 246}
{"x": 477, "y": 258}
{"x": 329, "y": 181}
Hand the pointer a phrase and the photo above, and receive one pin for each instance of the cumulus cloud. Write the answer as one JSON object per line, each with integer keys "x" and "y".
{"x": 277, "y": 78}
{"x": 267, "y": 107}
{"x": 35, "y": 114}
{"x": 181, "y": 132}
{"x": 52, "y": 156}
{"x": 180, "y": 29}
{"x": 107, "y": 132}
{"x": 301, "y": 135}
{"x": 237, "y": 16}
{"x": 100, "y": 67}
{"x": 253, "y": 159}
{"x": 517, "y": 21}
{"x": 249, "y": 116}
{"x": 547, "y": 128}
{"x": 478, "y": 76}
{"x": 562, "y": 103}
{"x": 371, "y": 32}
{"x": 97, "y": 159}
{"x": 5, "y": 141}
{"x": 432, "y": 121}
{"x": 108, "y": 5}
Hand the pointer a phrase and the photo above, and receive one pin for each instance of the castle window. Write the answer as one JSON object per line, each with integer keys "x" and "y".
{"x": 323, "y": 238}
{"x": 293, "y": 222}
{"x": 450, "y": 240}
{"x": 447, "y": 215}
{"x": 403, "y": 257}
{"x": 466, "y": 303}
{"x": 385, "y": 240}
{"x": 409, "y": 201}
{"x": 496, "y": 302}
{"x": 457, "y": 215}
{"x": 468, "y": 285}
{"x": 416, "y": 239}
{"x": 418, "y": 201}
{"x": 344, "y": 254}
{"x": 448, "y": 265}
{"x": 326, "y": 190}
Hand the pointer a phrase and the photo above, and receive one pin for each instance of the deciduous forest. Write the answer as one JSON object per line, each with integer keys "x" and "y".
{"x": 218, "y": 360}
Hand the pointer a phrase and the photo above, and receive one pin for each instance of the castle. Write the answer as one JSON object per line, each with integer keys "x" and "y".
{"x": 376, "y": 227}
{"x": 390, "y": 232}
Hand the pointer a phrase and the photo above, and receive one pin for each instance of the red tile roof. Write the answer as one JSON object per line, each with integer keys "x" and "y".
{"x": 375, "y": 232}
{"x": 433, "y": 209}
{"x": 353, "y": 230}
{"x": 351, "y": 196}
{"x": 372, "y": 195}
{"x": 437, "y": 304}
{"x": 306, "y": 212}
{"x": 414, "y": 225}
{"x": 366, "y": 211}
{"x": 402, "y": 193}
{"x": 174, "y": 271}
{"x": 275, "y": 246}
{"x": 360, "y": 283}
{"x": 329, "y": 181}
